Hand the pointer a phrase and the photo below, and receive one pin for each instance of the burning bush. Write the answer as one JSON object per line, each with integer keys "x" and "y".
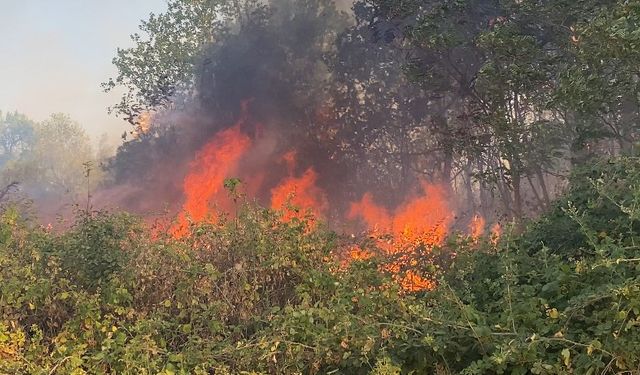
{"x": 253, "y": 292}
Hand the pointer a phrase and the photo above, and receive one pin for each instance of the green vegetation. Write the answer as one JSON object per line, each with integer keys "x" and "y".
{"x": 522, "y": 109}
{"x": 48, "y": 160}
{"x": 255, "y": 295}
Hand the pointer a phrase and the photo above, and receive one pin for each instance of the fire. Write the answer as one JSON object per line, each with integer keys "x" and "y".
{"x": 406, "y": 235}
{"x": 415, "y": 283}
{"x": 144, "y": 121}
{"x": 374, "y": 216}
{"x": 424, "y": 219}
{"x": 419, "y": 222}
{"x": 219, "y": 159}
{"x": 143, "y": 124}
{"x": 357, "y": 253}
{"x": 295, "y": 196}
{"x": 213, "y": 163}
{"x": 476, "y": 228}
{"x": 496, "y": 232}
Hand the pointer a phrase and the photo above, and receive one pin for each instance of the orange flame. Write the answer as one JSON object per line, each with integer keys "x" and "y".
{"x": 496, "y": 232}
{"x": 143, "y": 124}
{"x": 295, "y": 196}
{"x": 405, "y": 235}
{"x": 476, "y": 228}
{"x": 144, "y": 121}
{"x": 374, "y": 216}
{"x": 213, "y": 163}
{"x": 413, "y": 282}
{"x": 425, "y": 219}
{"x": 421, "y": 221}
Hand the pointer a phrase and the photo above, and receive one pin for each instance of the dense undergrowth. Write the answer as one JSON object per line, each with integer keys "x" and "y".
{"x": 256, "y": 295}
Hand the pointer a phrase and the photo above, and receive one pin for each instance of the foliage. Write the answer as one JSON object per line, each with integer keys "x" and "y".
{"x": 252, "y": 294}
{"x": 607, "y": 190}
{"x": 16, "y": 136}
{"x": 528, "y": 87}
{"x": 602, "y": 81}
{"x": 49, "y": 158}
{"x": 161, "y": 64}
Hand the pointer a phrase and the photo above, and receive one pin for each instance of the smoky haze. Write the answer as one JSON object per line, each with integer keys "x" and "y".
{"x": 327, "y": 85}
{"x": 282, "y": 65}
{"x": 55, "y": 54}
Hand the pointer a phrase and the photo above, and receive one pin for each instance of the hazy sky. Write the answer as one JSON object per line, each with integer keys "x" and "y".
{"x": 55, "y": 53}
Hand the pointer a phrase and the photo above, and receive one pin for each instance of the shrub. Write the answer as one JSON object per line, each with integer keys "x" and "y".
{"x": 255, "y": 295}
{"x": 603, "y": 193}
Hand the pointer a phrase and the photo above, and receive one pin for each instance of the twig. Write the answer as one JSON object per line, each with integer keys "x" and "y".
{"x": 53, "y": 370}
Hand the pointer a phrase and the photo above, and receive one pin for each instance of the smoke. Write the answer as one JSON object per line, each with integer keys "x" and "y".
{"x": 270, "y": 89}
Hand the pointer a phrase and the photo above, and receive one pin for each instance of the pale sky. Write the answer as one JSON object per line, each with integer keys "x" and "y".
{"x": 55, "y": 53}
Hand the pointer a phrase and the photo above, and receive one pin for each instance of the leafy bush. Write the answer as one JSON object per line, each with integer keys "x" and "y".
{"x": 255, "y": 295}
{"x": 603, "y": 194}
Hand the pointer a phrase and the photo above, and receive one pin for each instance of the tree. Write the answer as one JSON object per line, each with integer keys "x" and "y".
{"x": 16, "y": 136}
{"x": 272, "y": 54}
{"x": 496, "y": 99}
{"x": 515, "y": 86}
{"x": 378, "y": 119}
{"x": 55, "y": 163}
{"x": 160, "y": 66}
{"x": 602, "y": 86}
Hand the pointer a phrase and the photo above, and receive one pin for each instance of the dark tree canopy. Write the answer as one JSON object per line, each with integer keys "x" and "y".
{"x": 498, "y": 99}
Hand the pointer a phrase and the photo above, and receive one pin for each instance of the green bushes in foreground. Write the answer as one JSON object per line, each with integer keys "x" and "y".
{"x": 255, "y": 295}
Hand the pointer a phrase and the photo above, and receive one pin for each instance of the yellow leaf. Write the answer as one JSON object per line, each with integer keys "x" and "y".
{"x": 566, "y": 357}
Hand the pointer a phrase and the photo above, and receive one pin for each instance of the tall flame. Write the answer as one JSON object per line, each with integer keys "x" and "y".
{"x": 476, "y": 228}
{"x": 212, "y": 164}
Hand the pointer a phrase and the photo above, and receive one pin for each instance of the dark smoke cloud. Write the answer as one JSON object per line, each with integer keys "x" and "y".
{"x": 277, "y": 63}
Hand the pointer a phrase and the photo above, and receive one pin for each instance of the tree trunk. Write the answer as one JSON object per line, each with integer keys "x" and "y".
{"x": 517, "y": 200}
{"x": 468, "y": 181}
{"x": 543, "y": 186}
